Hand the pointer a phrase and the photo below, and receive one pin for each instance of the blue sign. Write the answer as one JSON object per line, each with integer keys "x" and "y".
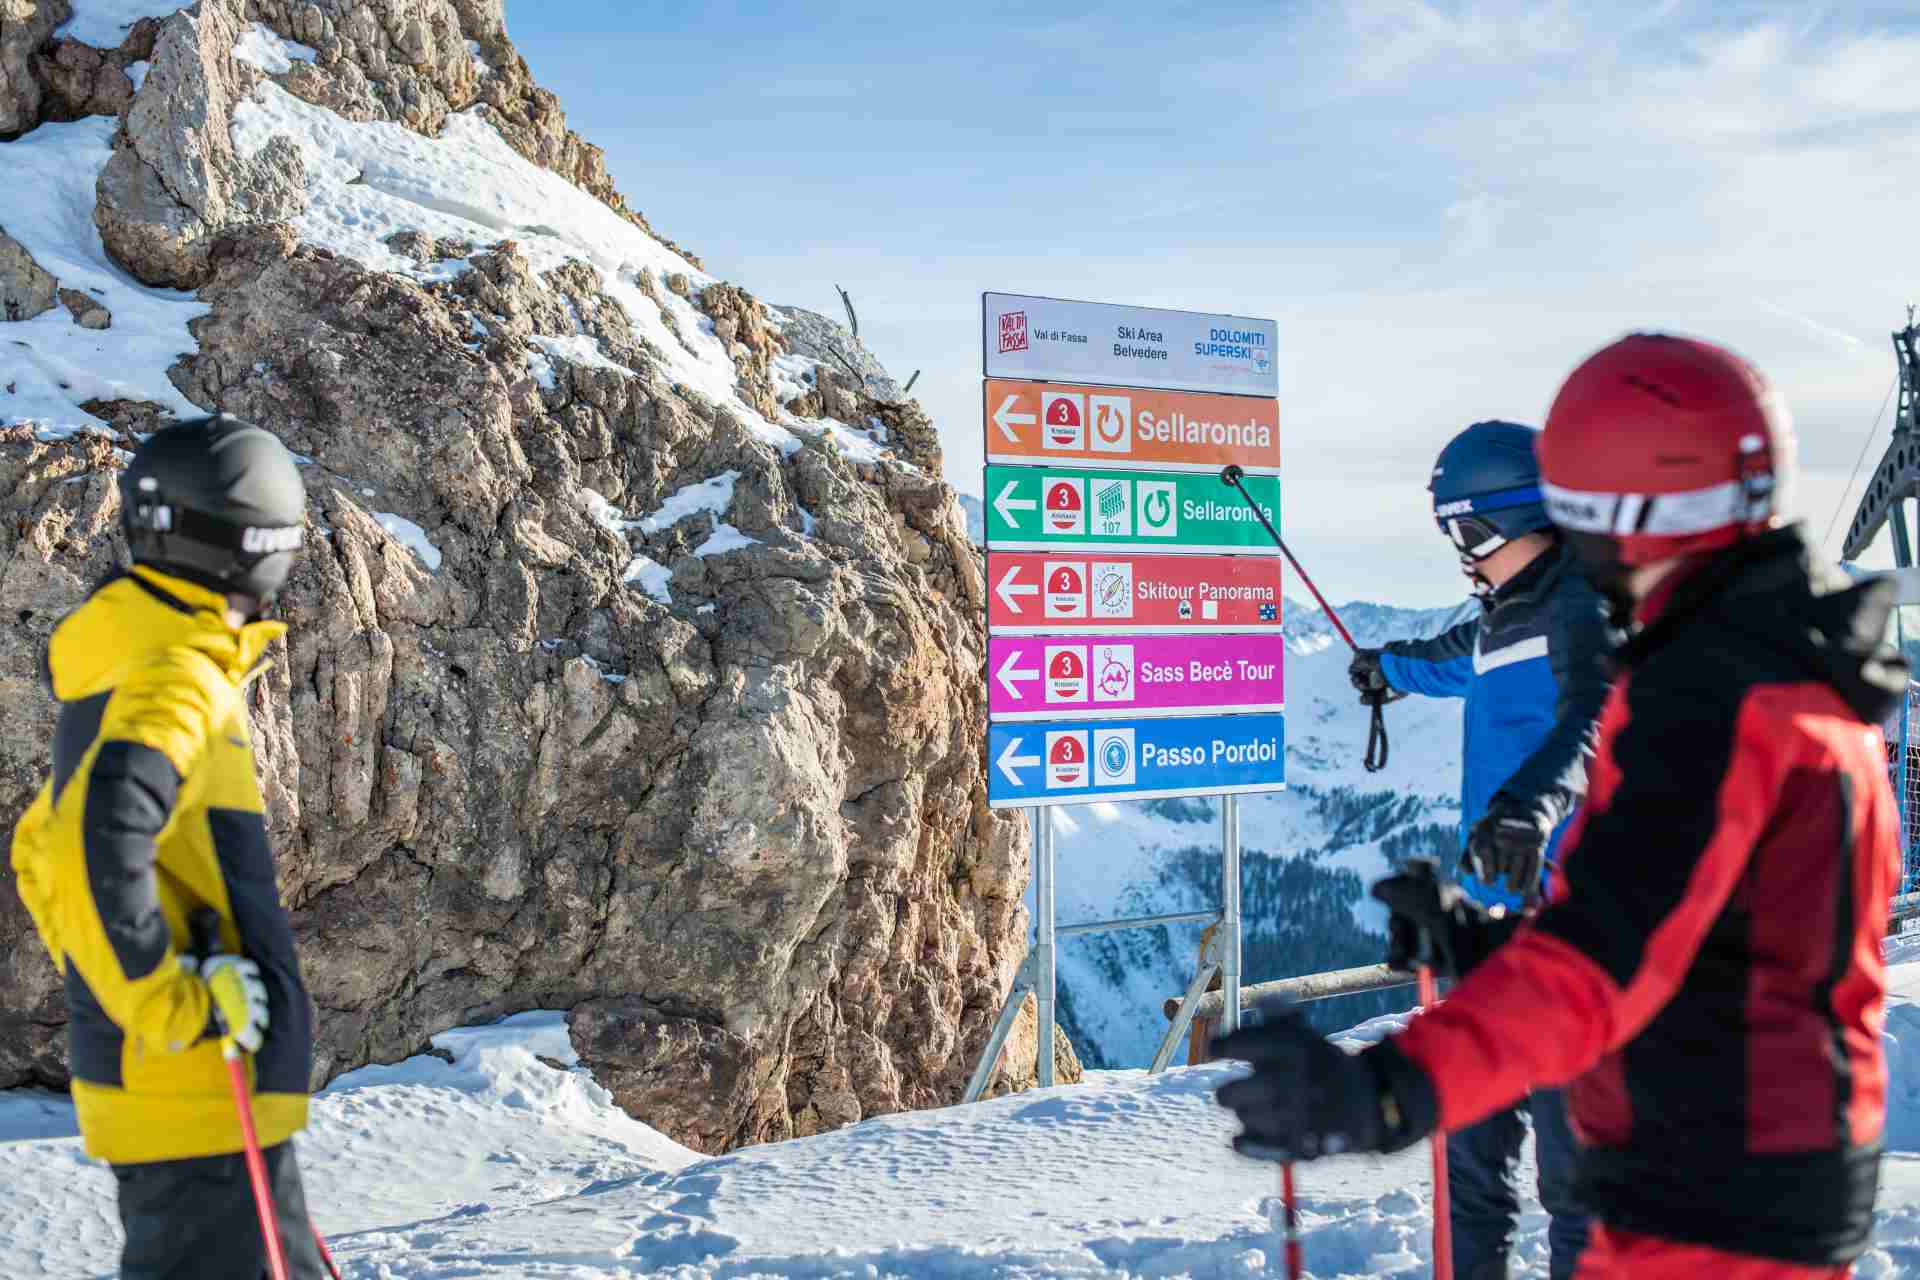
{"x": 1077, "y": 761}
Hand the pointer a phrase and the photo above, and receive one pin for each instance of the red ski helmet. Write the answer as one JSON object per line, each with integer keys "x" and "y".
{"x": 1659, "y": 446}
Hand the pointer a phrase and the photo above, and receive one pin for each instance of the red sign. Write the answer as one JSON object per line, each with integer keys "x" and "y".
{"x": 1037, "y": 592}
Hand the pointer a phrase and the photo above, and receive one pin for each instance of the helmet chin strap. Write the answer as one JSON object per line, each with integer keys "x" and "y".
{"x": 1482, "y": 588}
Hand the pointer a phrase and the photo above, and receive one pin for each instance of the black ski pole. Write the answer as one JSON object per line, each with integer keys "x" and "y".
{"x": 1377, "y": 747}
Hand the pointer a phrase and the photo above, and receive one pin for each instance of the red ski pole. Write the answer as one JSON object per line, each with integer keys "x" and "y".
{"x": 1233, "y": 476}
{"x": 326, "y": 1254}
{"x": 1442, "y": 1212}
{"x": 1376, "y": 757}
{"x": 1290, "y": 1205}
{"x": 256, "y": 1163}
{"x": 206, "y": 939}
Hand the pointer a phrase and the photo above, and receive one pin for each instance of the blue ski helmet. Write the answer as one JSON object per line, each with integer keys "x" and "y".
{"x": 1486, "y": 488}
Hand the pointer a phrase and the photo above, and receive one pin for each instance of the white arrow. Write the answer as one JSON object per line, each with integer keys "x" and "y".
{"x": 1008, "y": 421}
{"x": 1008, "y": 761}
{"x": 1008, "y": 589}
{"x": 1010, "y": 671}
{"x": 1006, "y": 504}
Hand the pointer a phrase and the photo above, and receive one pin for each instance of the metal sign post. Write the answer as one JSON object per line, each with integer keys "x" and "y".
{"x": 1134, "y": 609}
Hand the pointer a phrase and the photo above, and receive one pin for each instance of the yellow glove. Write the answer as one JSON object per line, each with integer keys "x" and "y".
{"x": 239, "y": 998}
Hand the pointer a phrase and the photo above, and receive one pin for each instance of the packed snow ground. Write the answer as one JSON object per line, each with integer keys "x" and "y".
{"x": 503, "y": 1164}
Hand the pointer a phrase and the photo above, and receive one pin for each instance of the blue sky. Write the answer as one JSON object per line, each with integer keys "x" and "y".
{"x": 1445, "y": 206}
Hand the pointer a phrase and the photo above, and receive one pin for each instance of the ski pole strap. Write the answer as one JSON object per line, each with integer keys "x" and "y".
{"x": 1376, "y": 757}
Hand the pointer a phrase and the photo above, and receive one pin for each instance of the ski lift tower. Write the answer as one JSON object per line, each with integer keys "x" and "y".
{"x": 1894, "y": 482}
{"x": 1897, "y": 478}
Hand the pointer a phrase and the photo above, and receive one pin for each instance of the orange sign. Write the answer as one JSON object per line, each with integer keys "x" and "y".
{"x": 1130, "y": 428}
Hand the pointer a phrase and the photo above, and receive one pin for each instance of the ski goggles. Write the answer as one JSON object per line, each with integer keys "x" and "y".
{"x": 1472, "y": 536}
{"x": 1466, "y": 525}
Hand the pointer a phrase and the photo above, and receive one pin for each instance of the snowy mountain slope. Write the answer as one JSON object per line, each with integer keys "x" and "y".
{"x": 503, "y": 1163}
{"x": 1308, "y": 853}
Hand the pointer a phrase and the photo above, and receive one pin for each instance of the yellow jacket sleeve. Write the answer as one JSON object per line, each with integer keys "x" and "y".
{"x": 30, "y": 870}
{"x": 120, "y": 807}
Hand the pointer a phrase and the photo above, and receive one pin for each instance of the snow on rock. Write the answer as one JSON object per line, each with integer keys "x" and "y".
{"x": 104, "y": 23}
{"x": 713, "y": 495}
{"x": 541, "y": 370}
{"x": 49, "y": 365}
{"x": 581, "y": 350}
{"x": 260, "y": 46}
{"x": 723, "y": 539}
{"x": 412, "y": 536}
{"x": 650, "y": 576}
{"x": 367, "y": 182}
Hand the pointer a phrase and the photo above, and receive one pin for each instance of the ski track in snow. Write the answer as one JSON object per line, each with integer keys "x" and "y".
{"x": 501, "y": 1164}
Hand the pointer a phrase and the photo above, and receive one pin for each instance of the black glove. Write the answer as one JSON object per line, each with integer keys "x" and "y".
{"x": 1366, "y": 675}
{"x": 1308, "y": 1098}
{"x": 1432, "y": 923}
{"x": 1509, "y": 844}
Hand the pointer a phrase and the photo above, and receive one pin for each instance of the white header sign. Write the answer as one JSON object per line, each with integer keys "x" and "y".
{"x": 1054, "y": 340}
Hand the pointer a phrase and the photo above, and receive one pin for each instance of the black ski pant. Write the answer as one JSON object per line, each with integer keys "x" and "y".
{"x": 1483, "y": 1168}
{"x": 196, "y": 1220}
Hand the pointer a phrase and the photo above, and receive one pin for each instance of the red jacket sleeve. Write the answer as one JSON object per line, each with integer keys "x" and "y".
{"x": 1683, "y": 788}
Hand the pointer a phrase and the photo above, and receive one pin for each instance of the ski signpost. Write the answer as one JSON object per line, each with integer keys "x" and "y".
{"x": 1133, "y": 599}
{"x": 1035, "y": 508}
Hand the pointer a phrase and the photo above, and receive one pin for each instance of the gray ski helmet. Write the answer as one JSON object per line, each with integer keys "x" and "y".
{"x": 1486, "y": 488}
{"x": 218, "y": 502}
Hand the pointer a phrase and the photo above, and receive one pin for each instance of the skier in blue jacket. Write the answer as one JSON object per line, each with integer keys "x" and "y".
{"x": 1530, "y": 668}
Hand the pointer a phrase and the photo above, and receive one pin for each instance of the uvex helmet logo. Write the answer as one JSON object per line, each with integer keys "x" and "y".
{"x": 1460, "y": 507}
{"x": 258, "y": 541}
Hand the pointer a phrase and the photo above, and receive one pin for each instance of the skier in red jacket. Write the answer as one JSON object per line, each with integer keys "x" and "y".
{"x": 1706, "y": 977}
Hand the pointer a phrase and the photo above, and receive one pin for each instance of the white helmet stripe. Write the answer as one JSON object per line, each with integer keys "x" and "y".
{"x": 1665, "y": 514}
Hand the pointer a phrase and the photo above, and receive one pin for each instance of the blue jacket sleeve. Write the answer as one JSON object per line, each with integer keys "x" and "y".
{"x": 1553, "y": 780}
{"x": 1440, "y": 668}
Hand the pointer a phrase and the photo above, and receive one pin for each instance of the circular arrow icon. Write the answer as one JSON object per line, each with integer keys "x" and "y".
{"x": 1157, "y": 508}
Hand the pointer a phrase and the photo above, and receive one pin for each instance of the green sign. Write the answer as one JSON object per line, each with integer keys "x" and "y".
{"x": 1040, "y": 508}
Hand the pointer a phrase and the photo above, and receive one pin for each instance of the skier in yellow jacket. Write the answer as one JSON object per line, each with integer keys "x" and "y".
{"x": 151, "y": 816}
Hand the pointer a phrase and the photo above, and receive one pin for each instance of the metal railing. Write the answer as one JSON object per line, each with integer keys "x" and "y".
{"x": 1312, "y": 986}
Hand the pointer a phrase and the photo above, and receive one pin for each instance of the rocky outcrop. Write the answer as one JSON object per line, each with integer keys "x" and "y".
{"x": 25, "y": 26}
{"x": 740, "y": 322}
{"x": 546, "y": 735}
{"x": 87, "y": 312}
{"x": 26, "y": 288}
{"x": 170, "y": 187}
{"x": 831, "y": 343}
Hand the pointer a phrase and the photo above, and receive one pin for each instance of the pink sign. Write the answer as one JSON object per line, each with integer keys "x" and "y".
{"x": 1068, "y": 677}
